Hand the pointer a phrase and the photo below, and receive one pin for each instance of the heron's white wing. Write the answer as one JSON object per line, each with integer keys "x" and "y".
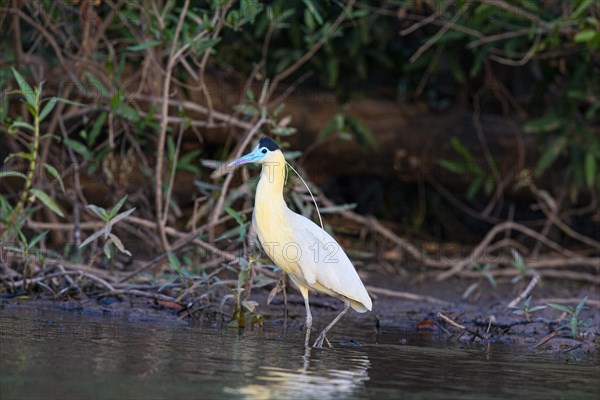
{"x": 323, "y": 259}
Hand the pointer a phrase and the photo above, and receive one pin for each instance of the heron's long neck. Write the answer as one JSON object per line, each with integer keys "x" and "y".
{"x": 269, "y": 193}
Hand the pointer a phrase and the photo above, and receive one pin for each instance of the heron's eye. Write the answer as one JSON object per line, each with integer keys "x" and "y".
{"x": 264, "y": 151}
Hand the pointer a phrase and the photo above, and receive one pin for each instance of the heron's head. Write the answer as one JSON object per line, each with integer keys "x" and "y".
{"x": 262, "y": 152}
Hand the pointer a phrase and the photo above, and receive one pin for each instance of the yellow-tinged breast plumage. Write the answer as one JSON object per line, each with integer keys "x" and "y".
{"x": 308, "y": 254}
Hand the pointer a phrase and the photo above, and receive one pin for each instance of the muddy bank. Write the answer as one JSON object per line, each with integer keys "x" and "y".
{"x": 470, "y": 316}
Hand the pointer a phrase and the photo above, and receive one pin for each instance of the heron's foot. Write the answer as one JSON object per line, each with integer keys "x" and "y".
{"x": 319, "y": 342}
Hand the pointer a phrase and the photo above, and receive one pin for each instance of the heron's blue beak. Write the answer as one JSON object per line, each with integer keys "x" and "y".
{"x": 254, "y": 156}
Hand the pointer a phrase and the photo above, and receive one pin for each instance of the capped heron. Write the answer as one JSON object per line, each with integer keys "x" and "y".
{"x": 310, "y": 256}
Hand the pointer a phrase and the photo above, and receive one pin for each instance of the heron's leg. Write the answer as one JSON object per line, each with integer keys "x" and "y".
{"x": 308, "y": 324}
{"x": 319, "y": 342}
{"x": 285, "y": 303}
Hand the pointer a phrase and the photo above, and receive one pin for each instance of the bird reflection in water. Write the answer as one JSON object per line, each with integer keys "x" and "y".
{"x": 320, "y": 375}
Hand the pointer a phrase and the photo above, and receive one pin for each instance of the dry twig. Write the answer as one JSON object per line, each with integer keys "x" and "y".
{"x": 525, "y": 293}
{"x": 223, "y": 192}
{"x": 158, "y": 196}
{"x": 407, "y": 295}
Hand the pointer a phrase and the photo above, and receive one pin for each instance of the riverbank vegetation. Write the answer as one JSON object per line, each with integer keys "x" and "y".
{"x": 442, "y": 139}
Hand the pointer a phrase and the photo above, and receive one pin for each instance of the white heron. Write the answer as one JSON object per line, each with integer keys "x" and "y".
{"x": 310, "y": 256}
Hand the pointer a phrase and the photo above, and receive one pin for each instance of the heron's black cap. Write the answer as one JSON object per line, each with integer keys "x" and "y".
{"x": 268, "y": 143}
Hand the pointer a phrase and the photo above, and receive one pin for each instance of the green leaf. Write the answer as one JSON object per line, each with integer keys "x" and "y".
{"x": 184, "y": 163}
{"x": 239, "y": 231}
{"x": 188, "y": 157}
{"x": 106, "y": 249}
{"x": 36, "y": 239}
{"x": 49, "y": 136}
{"x": 590, "y": 168}
{"x": 106, "y": 231}
{"x": 113, "y": 211}
{"x": 21, "y": 124}
{"x": 333, "y": 72}
{"x": 309, "y": 20}
{"x": 284, "y": 131}
{"x": 480, "y": 58}
{"x": 246, "y": 109}
{"x": 584, "y": 5}
{"x": 550, "y": 155}
{"x": 332, "y": 126}
{"x": 144, "y": 46}
{"x": 310, "y": 4}
{"x": 5, "y": 174}
{"x": 547, "y": 123}
{"x": 48, "y": 108}
{"x": 97, "y": 84}
{"x": 537, "y": 308}
{"x": 66, "y": 101}
{"x": 562, "y": 308}
{"x": 48, "y": 201}
{"x": 574, "y": 326}
{"x": 201, "y": 45}
{"x": 235, "y": 215}
{"x": 292, "y": 155}
{"x": 519, "y": 264}
{"x": 250, "y": 9}
{"x": 174, "y": 262}
{"x": 121, "y": 216}
{"x": 205, "y": 186}
{"x": 116, "y": 99}
{"x": 489, "y": 185}
{"x": 170, "y": 148}
{"x": 490, "y": 277}
{"x": 31, "y": 108}
{"x": 99, "y": 211}
{"x": 20, "y": 154}
{"x": 79, "y": 148}
{"x": 127, "y": 112}
{"x": 463, "y": 150}
{"x": 474, "y": 187}
{"x": 118, "y": 244}
{"x": 457, "y": 167}
{"x": 361, "y": 133}
{"x": 52, "y": 171}
{"x": 579, "y": 307}
{"x": 90, "y": 239}
{"x": 585, "y": 36}
{"x": 26, "y": 90}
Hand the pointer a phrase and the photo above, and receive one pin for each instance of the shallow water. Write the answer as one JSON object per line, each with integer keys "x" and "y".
{"x": 51, "y": 354}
